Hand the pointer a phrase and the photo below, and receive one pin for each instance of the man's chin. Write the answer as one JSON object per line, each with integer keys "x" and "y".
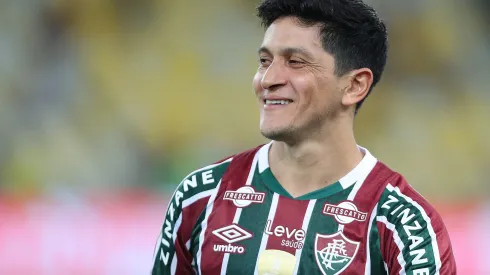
{"x": 286, "y": 134}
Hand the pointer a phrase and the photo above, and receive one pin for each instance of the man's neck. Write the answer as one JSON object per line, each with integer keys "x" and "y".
{"x": 313, "y": 164}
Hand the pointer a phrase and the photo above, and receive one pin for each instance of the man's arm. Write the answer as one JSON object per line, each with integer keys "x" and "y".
{"x": 170, "y": 248}
{"x": 413, "y": 237}
{"x": 173, "y": 248}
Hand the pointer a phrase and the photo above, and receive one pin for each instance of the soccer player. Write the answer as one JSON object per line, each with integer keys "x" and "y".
{"x": 311, "y": 201}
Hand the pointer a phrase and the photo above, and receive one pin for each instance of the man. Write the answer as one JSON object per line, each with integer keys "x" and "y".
{"x": 312, "y": 201}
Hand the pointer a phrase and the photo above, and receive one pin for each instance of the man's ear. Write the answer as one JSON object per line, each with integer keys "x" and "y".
{"x": 357, "y": 87}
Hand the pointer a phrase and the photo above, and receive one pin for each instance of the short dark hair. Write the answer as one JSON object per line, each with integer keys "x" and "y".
{"x": 351, "y": 31}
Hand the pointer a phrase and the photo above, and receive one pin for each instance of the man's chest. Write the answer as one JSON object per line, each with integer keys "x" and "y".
{"x": 252, "y": 229}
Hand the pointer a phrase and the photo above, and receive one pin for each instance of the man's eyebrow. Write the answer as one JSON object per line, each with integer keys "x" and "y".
{"x": 287, "y": 51}
{"x": 264, "y": 49}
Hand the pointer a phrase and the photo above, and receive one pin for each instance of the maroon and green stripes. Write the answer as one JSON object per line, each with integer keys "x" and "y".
{"x": 220, "y": 215}
{"x": 319, "y": 224}
{"x": 235, "y": 218}
{"x": 254, "y": 219}
{"x": 191, "y": 195}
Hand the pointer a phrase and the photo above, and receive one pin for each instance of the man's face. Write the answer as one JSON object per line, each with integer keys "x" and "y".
{"x": 297, "y": 90}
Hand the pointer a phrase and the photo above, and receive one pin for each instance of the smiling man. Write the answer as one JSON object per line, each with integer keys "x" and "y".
{"x": 311, "y": 201}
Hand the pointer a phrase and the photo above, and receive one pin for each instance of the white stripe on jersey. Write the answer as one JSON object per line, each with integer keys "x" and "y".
{"x": 173, "y": 265}
{"x": 204, "y": 225}
{"x": 265, "y": 237}
{"x": 238, "y": 211}
{"x": 306, "y": 222}
{"x": 398, "y": 242}
{"x": 263, "y": 155}
{"x": 196, "y": 197}
{"x": 360, "y": 172}
{"x": 366, "y": 166}
{"x": 432, "y": 233}
{"x": 374, "y": 212}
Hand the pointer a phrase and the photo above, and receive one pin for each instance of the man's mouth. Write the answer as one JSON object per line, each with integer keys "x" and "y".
{"x": 277, "y": 102}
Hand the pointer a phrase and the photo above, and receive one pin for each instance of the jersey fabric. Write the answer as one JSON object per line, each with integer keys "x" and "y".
{"x": 233, "y": 217}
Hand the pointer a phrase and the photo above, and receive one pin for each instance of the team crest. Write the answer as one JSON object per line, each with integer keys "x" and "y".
{"x": 334, "y": 253}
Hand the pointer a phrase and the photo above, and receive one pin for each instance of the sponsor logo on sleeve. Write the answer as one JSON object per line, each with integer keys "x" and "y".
{"x": 244, "y": 196}
{"x": 345, "y": 212}
{"x": 196, "y": 181}
{"x": 409, "y": 219}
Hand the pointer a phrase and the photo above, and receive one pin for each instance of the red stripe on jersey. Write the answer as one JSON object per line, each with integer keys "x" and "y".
{"x": 223, "y": 211}
{"x": 285, "y": 231}
{"x": 389, "y": 257}
{"x": 365, "y": 200}
{"x": 189, "y": 218}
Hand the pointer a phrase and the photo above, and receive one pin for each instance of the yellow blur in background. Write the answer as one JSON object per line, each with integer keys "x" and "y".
{"x": 107, "y": 98}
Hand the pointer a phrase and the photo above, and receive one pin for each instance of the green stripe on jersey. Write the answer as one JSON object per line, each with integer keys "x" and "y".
{"x": 412, "y": 229}
{"x": 376, "y": 259}
{"x": 194, "y": 241}
{"x": 319, "y": 224}
{"x": 253, "y": 219}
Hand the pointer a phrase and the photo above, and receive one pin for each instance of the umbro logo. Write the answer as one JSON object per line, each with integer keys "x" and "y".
{"x": 244, "y": 196}
{"x": 231, "y": 234}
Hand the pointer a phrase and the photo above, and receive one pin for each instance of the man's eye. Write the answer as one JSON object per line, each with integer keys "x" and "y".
{"x": 295, "y": 62}
{"x": 263, "y": 61}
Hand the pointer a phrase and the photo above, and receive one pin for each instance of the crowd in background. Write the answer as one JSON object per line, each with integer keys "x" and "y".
{"x": 101, "y": 95}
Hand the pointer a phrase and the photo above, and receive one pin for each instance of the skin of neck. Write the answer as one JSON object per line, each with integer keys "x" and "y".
{"x": 317, "y": 161}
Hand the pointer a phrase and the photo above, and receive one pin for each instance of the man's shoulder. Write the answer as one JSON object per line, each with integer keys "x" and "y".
{"x": 394, "y": 184}
{"x": 405, "y": 216}
{"x": 400, "y": 200}
{"x": 238, "y": 160}
{"x": 384, "y": 171}
{"x": 398, "y": 184}
{"x": 209, "y": 176}
{"x": 242, "y": 155}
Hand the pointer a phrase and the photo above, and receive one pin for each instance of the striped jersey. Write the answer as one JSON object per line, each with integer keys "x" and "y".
{"x": 234, "y": 217}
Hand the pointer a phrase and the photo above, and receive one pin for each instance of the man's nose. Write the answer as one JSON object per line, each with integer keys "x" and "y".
{"x": 274, "y": 77}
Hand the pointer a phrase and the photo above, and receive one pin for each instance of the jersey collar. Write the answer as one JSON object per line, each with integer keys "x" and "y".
{"x": 359, "y": 173}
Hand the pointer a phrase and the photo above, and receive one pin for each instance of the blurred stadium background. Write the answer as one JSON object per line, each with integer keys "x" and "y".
{"x": 106, "y": 104}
